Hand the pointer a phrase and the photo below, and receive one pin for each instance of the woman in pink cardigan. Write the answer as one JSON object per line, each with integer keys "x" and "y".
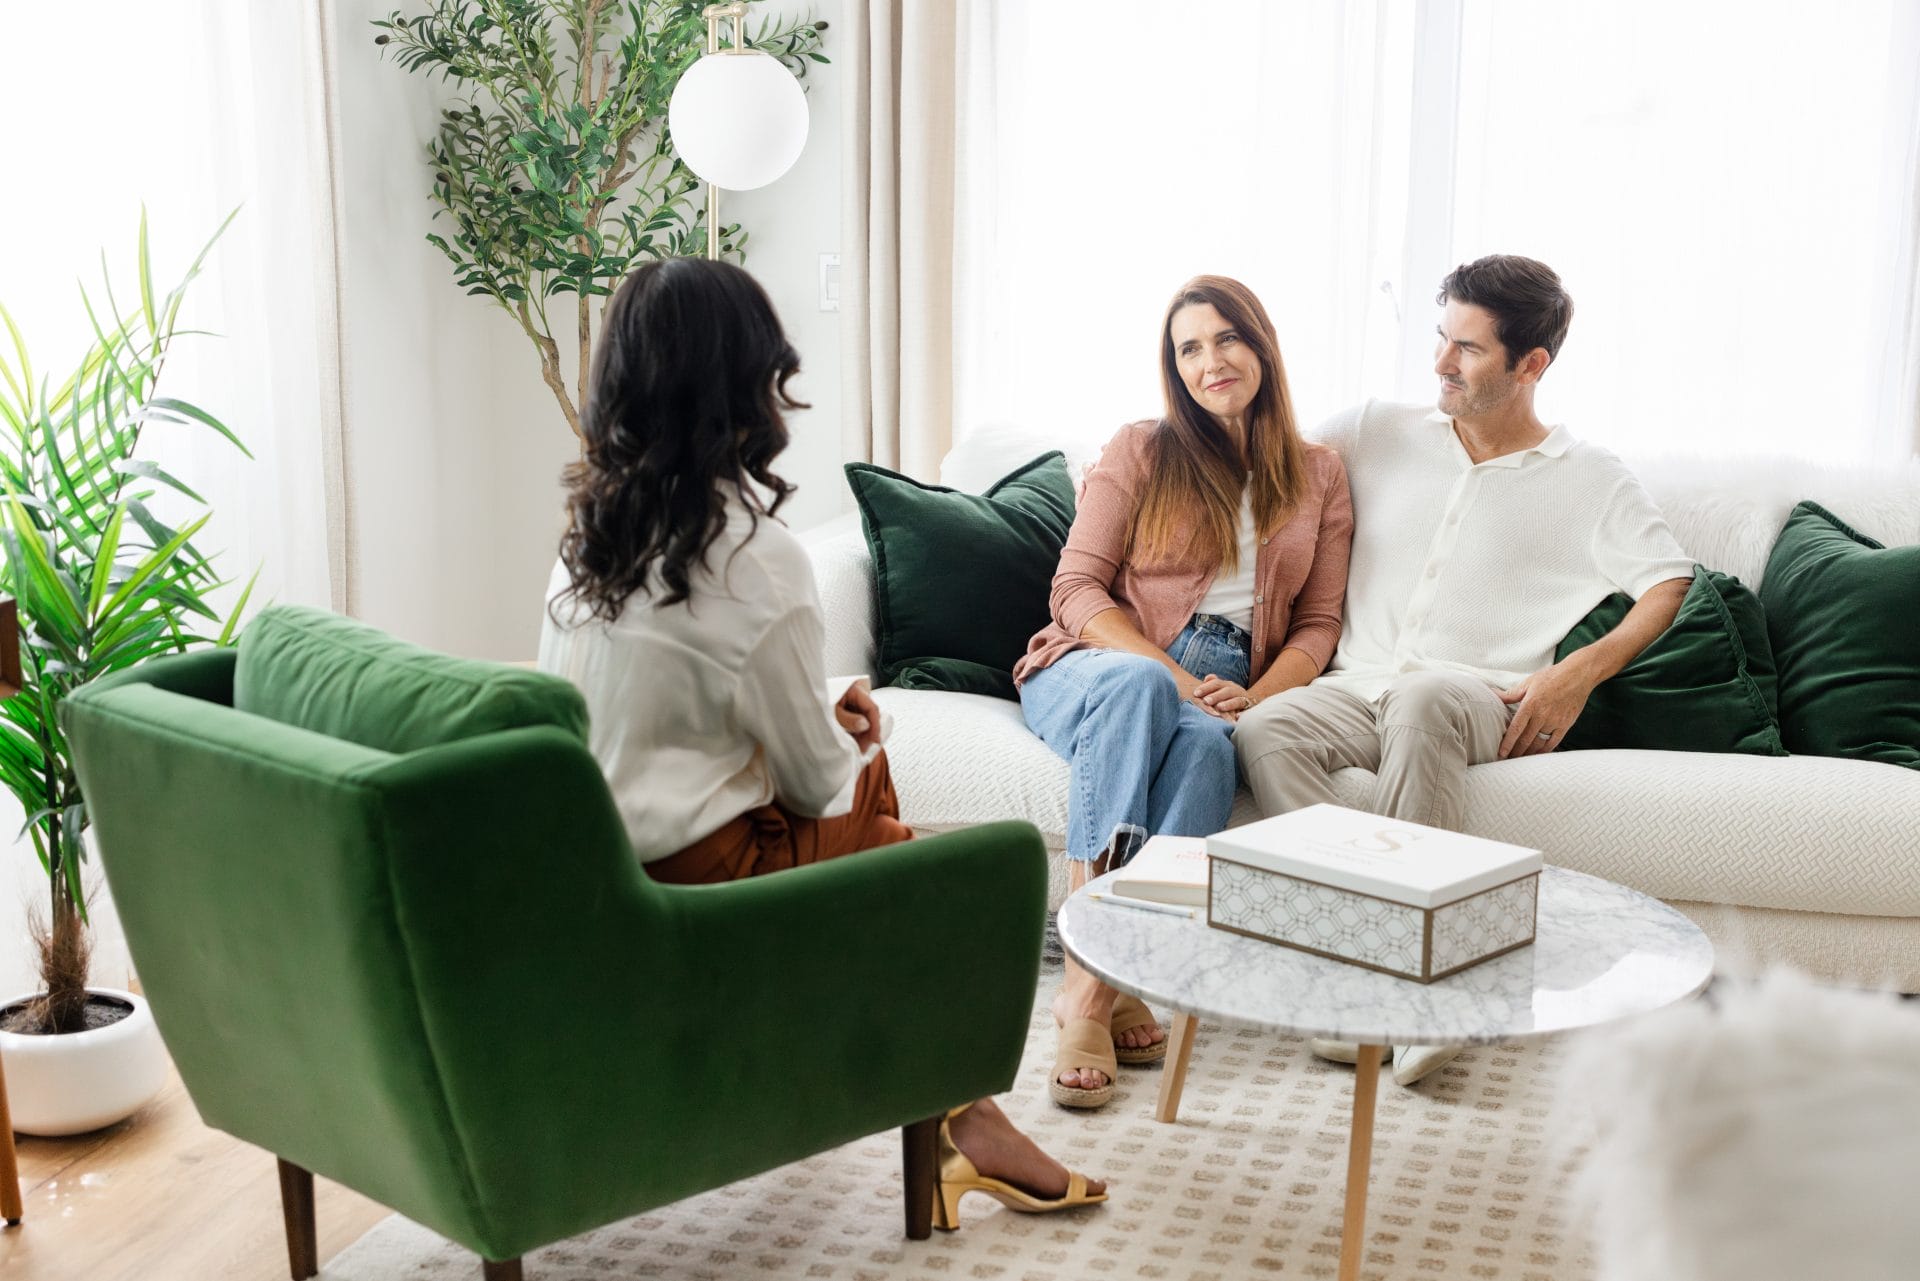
{"x": 1205, "y": 571}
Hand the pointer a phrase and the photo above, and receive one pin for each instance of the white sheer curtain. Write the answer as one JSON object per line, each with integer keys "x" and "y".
{"x": 1711, "y": 180}
{"x": 1138, "y": 144}
{"x": 193, "y": 109}
{"x": 1729, "y": 190}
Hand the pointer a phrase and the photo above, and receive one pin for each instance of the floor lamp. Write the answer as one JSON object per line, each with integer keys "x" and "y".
{"x": 738, "y": 117}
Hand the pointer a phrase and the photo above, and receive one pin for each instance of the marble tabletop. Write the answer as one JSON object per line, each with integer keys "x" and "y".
{"x": 1601, "y": 952}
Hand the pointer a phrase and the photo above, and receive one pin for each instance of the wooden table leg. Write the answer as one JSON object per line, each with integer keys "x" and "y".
{"x": 10, "y": 1207}
{"x": 1173, "y": 1078}
{"x": 1353, "y": 1226}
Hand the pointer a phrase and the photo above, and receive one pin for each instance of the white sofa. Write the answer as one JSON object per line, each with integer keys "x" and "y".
{"x": 1806, "y": 860}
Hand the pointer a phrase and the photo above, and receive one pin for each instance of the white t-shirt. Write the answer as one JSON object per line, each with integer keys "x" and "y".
{"x": 1231, "y": 595}
{"x": 1481, "y": 568}
{"x": 703, "y": 710}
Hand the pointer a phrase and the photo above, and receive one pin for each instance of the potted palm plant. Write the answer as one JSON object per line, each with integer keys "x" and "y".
{"x": 104, "y": 572}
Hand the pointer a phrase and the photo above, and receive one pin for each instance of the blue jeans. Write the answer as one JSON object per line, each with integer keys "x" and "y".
{"x": 1144, "y": 760}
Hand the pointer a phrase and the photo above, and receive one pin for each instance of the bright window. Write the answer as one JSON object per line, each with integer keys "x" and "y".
{"x": 1725, "y": 187}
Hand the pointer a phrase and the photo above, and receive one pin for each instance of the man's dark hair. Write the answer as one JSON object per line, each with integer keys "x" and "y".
{"x": 1529, "y": 306}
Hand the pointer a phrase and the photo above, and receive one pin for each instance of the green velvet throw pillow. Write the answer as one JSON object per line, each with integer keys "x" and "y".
{"x": 961, "y": 580}
{"x": 1841, "y": 610}
{"x": 1706, "y": 684}
{"x": 334, "y": 676}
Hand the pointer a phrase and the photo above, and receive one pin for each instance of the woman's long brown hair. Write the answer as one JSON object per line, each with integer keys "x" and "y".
{"x": 1190, "y": 505}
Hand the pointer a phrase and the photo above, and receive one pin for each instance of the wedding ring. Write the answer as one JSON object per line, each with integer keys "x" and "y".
{"x": 1545, "y": 733}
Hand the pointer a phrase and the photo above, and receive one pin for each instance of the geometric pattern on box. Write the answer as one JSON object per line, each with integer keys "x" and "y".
{"x": 1318, "y": 918}
{"x": 1479, "y": 926}
{"x": 1472, "y": 1172}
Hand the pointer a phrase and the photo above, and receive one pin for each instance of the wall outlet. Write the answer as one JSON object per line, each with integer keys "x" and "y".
{"x": 829, "y": 282}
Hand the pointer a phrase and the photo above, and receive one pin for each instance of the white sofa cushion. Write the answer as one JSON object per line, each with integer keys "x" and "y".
{"x": 1727, "y": 515}
{"x": 1807, "y": 833}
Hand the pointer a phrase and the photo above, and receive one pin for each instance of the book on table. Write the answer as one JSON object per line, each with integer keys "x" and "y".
{"x": 1168, "y": 869}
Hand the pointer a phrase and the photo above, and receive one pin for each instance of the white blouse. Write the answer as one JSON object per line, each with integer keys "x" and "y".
{"x": 1230, "y": 596}
{"x": 703, "y": 710}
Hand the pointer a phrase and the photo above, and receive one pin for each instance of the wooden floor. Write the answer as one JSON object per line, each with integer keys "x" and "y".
{"x": 160, "y": 1197}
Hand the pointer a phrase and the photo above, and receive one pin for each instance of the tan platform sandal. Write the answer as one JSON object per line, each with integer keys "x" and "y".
{"x": 1130, "y": 1012}
{"x": 1084, "y": 1043}
{"x": 959, "y": 1177}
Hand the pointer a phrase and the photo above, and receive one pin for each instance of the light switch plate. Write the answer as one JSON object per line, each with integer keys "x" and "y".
{"x": 829, "y": 282}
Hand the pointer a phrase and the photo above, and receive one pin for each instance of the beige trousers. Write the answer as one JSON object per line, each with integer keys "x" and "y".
{"x": 1418, "y": 740}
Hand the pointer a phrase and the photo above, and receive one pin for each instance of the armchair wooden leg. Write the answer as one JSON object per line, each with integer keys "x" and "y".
{"x": 296, "y": 1204}
{"x": 919, "y": 1167}
{"x": 505, "y": 1270}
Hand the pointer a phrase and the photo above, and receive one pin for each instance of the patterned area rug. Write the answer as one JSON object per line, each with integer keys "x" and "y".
{"x": 1470, "y": 1180}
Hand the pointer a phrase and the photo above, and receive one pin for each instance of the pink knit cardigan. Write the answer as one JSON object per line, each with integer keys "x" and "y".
{"x": 1300, "y": 573}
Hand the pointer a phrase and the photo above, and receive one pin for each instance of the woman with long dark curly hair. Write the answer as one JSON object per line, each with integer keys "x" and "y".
{"x": 686, "y": 614}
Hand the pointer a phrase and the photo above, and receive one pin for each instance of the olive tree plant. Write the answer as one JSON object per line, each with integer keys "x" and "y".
{"x": 553, "y": 170}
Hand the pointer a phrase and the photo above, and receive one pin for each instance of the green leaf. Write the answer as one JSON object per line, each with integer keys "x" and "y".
{"x": 103, "y": 560}
{"x": 43, "y": 598}
{"x": 146, "y": 277}
{"x": 26, "y": 363}
{"x": 144, "y": 572}
{"x": 153, "y": 471}
{"x": 233, "y": 619}
{"x": 198, "y": 414}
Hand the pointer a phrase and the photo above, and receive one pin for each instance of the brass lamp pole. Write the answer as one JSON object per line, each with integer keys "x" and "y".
{"x": 715, "y": 14}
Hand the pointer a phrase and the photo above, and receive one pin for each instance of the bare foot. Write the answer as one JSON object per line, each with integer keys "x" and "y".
{"x": 1139, "y": 1038}
{"x": 998, "y": 1150}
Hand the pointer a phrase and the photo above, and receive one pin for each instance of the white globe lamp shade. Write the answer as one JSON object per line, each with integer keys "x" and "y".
{"x": 738, "y": 118}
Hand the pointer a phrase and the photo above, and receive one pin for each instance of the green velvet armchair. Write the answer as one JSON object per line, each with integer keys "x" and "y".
{"x": 393, "y": 932}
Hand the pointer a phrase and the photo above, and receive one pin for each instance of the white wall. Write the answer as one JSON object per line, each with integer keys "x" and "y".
{"x": 455, "y": 445}
{"x": 791, "y": 223}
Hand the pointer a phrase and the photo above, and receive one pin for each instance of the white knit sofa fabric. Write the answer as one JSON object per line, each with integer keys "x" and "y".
{"x": 1811, "y": 861}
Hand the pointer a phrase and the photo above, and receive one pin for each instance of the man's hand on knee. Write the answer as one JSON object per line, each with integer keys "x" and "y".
{"x": 1550, "y": 701}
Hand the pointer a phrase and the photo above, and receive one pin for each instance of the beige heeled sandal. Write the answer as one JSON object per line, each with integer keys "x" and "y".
{"x": 958, "y": 1176}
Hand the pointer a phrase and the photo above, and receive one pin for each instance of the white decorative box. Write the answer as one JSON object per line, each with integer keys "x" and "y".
{"x": 1418, "y": 902}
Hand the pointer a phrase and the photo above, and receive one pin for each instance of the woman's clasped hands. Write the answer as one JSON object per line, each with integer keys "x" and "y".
{"x": 1222, "y": 697}
{"x": 859, "y": 716}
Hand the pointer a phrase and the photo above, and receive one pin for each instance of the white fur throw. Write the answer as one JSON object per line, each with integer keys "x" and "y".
{"x": 1773, "y": 1138}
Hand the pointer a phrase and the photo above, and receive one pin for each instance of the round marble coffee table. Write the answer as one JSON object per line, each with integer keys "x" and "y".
{"x": 1601, "y": 952}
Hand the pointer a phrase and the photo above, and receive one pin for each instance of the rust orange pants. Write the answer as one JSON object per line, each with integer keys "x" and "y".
{"x": 772, "y": 838}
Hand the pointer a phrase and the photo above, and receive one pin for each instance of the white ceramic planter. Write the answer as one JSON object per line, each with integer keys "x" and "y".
{"x": 84, "y": 1080}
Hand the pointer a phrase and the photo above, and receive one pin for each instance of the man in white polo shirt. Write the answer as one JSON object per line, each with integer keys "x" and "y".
{"x": 1481, "y": 536}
